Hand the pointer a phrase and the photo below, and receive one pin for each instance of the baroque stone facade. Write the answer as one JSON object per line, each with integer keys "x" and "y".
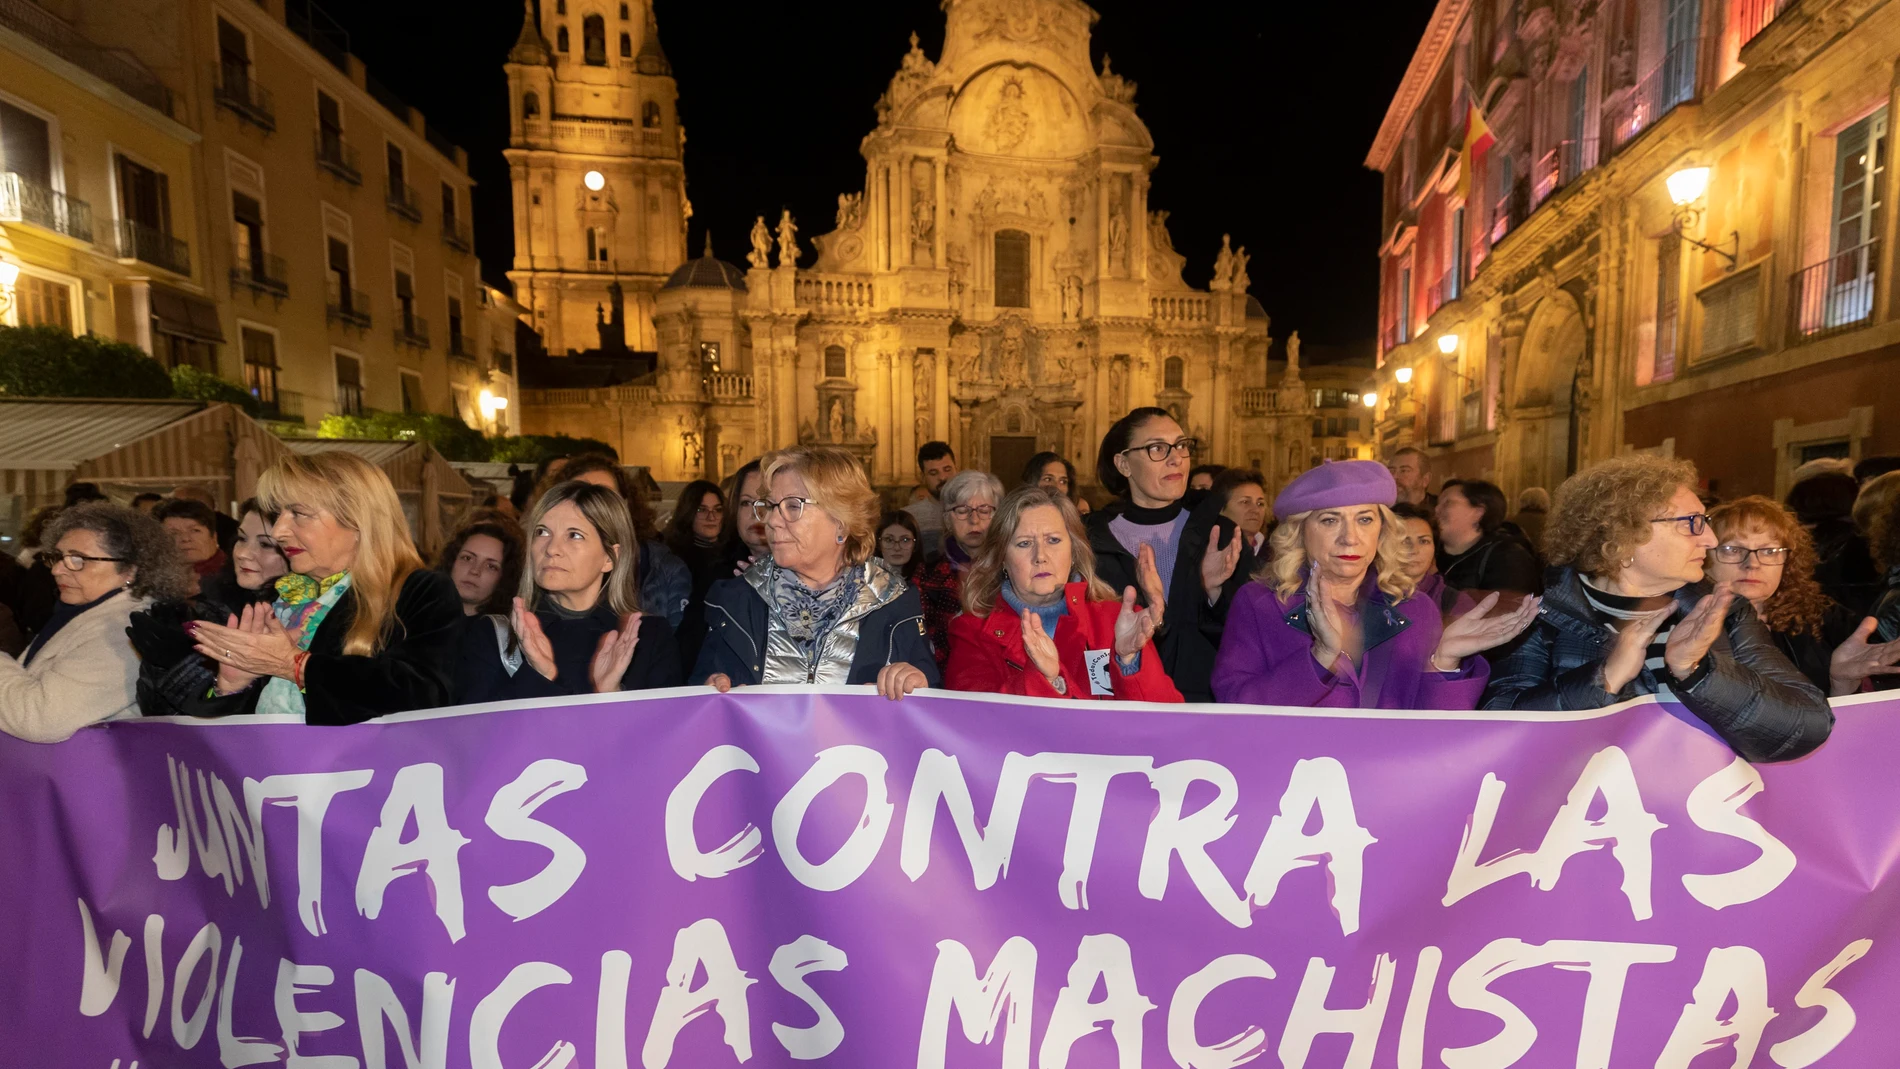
{"x": 1000, "y": 282}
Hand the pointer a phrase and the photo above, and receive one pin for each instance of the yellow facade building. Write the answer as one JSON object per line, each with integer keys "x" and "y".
{"x": 318, "y": 225}
{"x": 1676, "y": 238}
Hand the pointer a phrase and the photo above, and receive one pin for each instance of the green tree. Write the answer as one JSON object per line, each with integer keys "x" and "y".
{"x": 535, "y": 448}
{"x": 48, "y": 362}
{"x": 451, "y": 437}
{"x": 204, "y": 386}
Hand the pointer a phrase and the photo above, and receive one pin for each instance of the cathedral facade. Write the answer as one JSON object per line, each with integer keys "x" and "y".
{"x": 1000, "y": 282}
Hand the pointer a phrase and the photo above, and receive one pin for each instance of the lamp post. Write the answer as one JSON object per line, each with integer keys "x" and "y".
{"x": 1687, "y": 188}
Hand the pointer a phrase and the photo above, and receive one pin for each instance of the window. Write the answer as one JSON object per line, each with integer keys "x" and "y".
{"x": 342, "y": 295}
{"x": 456, "y": 348}
{"x": 26, "y": 145}
{"x": 560, "y": 39}
{"x": 560, "y": 7}
{"x": 834, "y": 362}
{"x": 349, "y": 385}
{"x": 1501, "y": 199}
{"x": 1455, "y": 281}
{"x": 1668, "y": 305}
{"x": 1731, "y": 314}
{"x": 1171, "y": 373}
{"x": 594, "y": 41}
{"x": 406, "y": 300}
{"x": 650, "y": 115}
{"x": 396, "y": 164}
{"x": 1681, "y": 27}
{"x": 626, "y": 46}
{"x": 247, "y": 229}
{"x": 144, "y": 197}
{"x": 1319, "y": 428}
{"x": 530, "y": 105}
{"x": 623, "y": 12}
{"x": 234, "y": 58}
{"x": 1860, "y": 169}
{"x": 41, "y": 302}
{"x": 597, "y": 244}
{"x": 329, "y": 128}
{"x": 1405, "y": 304}
{"x": 260, "y": 365}
{"x": 448, "y": 206}
{"x": 709, "y": 356}
{"x": 176, "y": 351}
{"x": 1012, "y": 269}
{"x": 412, "y": 393}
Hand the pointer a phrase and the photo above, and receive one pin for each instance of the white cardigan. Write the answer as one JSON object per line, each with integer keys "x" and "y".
{"x": 86, "y": 673}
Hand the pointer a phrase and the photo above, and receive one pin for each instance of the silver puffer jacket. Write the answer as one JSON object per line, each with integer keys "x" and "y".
{"x": 880, "y": 585}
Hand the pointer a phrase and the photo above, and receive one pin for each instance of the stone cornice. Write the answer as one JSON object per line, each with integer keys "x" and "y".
{"x": 1432, "y": 48}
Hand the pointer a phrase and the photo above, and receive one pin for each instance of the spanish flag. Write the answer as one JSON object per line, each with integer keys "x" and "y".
{"x": 1478, "y": 137}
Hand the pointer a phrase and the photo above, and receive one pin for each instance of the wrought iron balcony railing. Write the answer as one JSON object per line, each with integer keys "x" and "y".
{"x": 349, "y": 307}
{"x": 338, "y": 157}
{"x": 403, "y": 200}
{"x": 1834, "y": 295}
{"x": 25, "y": 201}
{"x": 412, "y": 330}
{"x": 235, "y": 90}
{"x": 457, "y": 235}
{"x": 259, "y": 272}
{"x": 151, "y": 245}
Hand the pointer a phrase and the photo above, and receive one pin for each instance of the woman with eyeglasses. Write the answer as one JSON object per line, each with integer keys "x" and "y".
{"x": 171, "y": 672}
{"x": 1202, "y": 561}
{"x": 900, "y": 543}
{"x": 697, "y": 535}
{"x": 821, "y": 608}
{"x": 1627, "y": 611}
{"x": 1768, "y": 557}
{"x": 969, "y": 502}
{"x": 108, "y": 562}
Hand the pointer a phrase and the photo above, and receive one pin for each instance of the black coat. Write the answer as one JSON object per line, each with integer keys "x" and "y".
{"x": 1497, "y": 561}
{"x": 708, "y": 564}
{"x": 411, "y": 672}
{"x": 1810, "y": 653}
{"x": 480, "y": 675}
{"x": 1746, "y": 689}
{"x": 172, "y": 673}
{"x": 1191, "y": 628}
{"x": 737, "y": 619}
{"x": 1886, "y": 610}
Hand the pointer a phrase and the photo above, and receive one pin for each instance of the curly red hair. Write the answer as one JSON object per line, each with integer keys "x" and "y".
{"x": 1798, "y": 605}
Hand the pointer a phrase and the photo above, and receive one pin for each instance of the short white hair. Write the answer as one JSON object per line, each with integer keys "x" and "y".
{"x": 967, "y": 486}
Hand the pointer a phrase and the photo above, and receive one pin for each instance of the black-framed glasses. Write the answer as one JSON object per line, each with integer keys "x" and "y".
{"x": 74, "y": 562}
{"x": 1691, "y": 525}
{"x": 964, "y": 512}
{"x": 1766, "y": 556}
{"x": 1158, "y": 451}
{"x": 792, "y": 508}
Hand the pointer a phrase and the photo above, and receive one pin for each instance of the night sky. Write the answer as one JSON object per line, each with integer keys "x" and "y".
{"x": 1261, "y": 112}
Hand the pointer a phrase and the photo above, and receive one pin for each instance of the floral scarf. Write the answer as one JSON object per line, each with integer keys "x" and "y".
{"x": 810, "y": 615}
{"x": 301, "y": 605}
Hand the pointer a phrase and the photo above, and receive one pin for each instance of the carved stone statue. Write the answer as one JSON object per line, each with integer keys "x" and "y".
{"x": 1008, "y": 124}
{"x": 1014, "y": 361}
{"x": 1158, "y": 236}
{"x": 850, "y": 210}
{"x": 1115, "y": 87}
{"x": 1117, "y": 385}
{"x": 1293, "y": 353}
{"x": 1072, "y": 299}
{"x": 1223, "y": 267}
{"x": 1239, "y": 279}
{"x": 836, "y": 425}
{"x": 761, "y": 254}
{"x": 787, "y": 240}
{"x": 923, "y": 219}
{"x": 1117, "y": 227}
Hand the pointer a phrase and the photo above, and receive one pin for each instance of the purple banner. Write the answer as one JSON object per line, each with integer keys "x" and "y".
{"x": 778, "y": 877}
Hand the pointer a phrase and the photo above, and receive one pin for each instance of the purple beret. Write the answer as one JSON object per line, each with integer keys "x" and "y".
{"x": 1336, "y": 485}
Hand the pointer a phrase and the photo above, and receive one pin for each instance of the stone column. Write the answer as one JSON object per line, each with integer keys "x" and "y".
{"x": 900, "y": 221}
{"x": 1138, "y": 229}
{"x": 1103, "y": 178}
{"x": 943, "y": 212}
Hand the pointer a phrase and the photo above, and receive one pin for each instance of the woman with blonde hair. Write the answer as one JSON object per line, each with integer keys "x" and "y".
{"x": 360, "y": 627}
{"x": 1037, "y": 621}
{"x": 821, "y": 608}
{"x": 576, "y": 625}
{"x": 1768, "y": 558}
{"x": 1336, "y": 620}
{"x": 1627, "y": 612}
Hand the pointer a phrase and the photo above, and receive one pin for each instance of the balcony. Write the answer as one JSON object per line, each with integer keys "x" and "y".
{"x": 112, "y": 65}
{"x": 728, "y": 386}
{"x": 1195, "y": 309}
{"x": 412, "y": 331}
{"x": 456, "y": 235}
{"x": 261, "y": 273}
{"x": 458, "y": 346}
{"x": 833, "y": 292}
{"x": 338, "y": 157}
{"x": 1751, "y": 17}
{"x": 234, "y": 90}
{"x": 348, "y": 307}
{"x": 1669, "y": 84}
{"x": 403, "y": 200}
{"x": 504, "y": 361}
{"x": 1561, "y": 166}
{"x": 1835, "y": 295}
{"x": 25, "y": 201}
{"x": 151, "y": 245}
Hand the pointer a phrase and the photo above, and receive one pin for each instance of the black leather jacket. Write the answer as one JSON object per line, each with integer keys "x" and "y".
{"x": 1746, "y": 689}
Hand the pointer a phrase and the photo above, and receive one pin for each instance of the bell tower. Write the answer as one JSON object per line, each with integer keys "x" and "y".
{"x": 594, "y": 159}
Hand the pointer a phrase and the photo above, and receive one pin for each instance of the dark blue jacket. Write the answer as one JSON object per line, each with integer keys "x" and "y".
{"x": 737, "y": 620}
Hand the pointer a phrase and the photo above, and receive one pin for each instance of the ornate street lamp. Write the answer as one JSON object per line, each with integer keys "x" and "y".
{"x": 1687, "y": 188}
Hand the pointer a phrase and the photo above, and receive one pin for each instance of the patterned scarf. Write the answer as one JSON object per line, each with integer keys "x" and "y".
{"x": 810, "y": 615}
{"x": 302, "y": 603}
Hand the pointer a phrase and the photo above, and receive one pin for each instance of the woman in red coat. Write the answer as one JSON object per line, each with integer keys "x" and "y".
{"x": 1036, "y": 621}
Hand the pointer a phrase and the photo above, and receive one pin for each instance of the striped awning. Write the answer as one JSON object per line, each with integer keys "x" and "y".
{"x": 47, "y": 434}
{"x": 377, "y": 452}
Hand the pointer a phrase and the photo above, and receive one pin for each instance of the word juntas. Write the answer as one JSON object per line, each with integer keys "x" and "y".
{"x": 1318, "y": 791}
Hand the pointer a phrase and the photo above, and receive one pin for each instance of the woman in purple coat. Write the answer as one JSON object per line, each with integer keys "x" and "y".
{"x": 1335, "y": 620}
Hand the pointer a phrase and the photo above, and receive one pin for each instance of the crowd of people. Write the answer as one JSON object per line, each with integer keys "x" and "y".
{"x": 1355, "y": 585}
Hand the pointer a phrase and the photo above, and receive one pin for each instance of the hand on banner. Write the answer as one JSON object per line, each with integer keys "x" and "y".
{"x": 1857, "y": 660}
{"x": 1691, "y": 639}
{"x": 247, "y": 646}
{"x": 1218, "y": 564}
{"x": 719, "y": 681}
{"x": 1477, "y": 631}
{"x": 1627, "y": 657}
{"x": 614, "y": 654}
{"x": 896, "y": 680}
{"x": 1041, "y": 648}
{"x": 1134, "y": 627}
{"x": 535, "y": 647}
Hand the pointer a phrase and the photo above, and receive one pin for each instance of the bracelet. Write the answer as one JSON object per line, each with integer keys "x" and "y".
{"x": 296, "y": 667}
